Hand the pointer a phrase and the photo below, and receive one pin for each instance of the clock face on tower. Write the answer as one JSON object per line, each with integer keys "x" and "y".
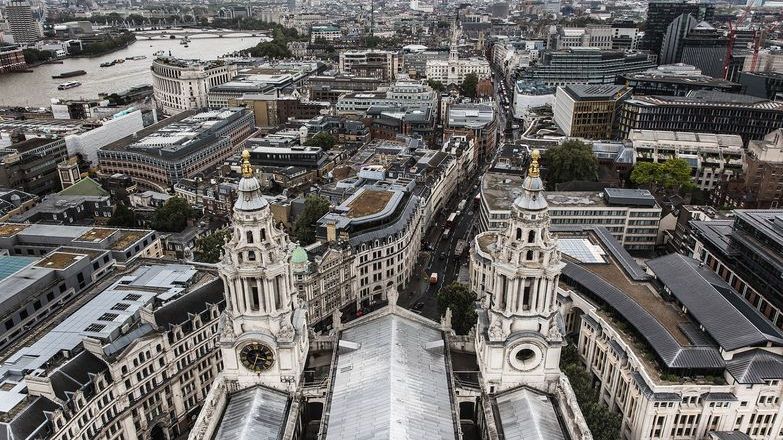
{"x": 256, "y": 357}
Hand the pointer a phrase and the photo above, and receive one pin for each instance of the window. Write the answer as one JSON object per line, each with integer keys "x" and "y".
{"x": 120, "y": 306}
{"x": 249, "y": 235}
{"x": 132, "y": 297}
{"x": 531, "y": 237}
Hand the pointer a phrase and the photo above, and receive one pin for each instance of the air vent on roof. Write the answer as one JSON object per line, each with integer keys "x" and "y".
{"x": 95, "y": 328}
{"x": 132, "y": 297}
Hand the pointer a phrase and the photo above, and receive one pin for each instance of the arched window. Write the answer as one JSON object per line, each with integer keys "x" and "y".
{"x": 251, "y": 256}
{"x": 519, "y": 233}
{"x": 529, "y": 255}
{"x": 249, "y": 236}
{"x": 531, "y": 236}
{"x": 263, "y": 234}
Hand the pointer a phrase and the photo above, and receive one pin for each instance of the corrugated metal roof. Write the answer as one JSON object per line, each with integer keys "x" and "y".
{"x": 254, "y": 413}
{"x": 729, "y": 435}
{"x": 391, "y": 387}
{"x": 668, "y": 349}
{"x": 527, "y": 415}
{"x": 698, "y": 289}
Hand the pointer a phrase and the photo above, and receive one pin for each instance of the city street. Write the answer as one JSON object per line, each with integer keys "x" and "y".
{"x": 421, "y": 295}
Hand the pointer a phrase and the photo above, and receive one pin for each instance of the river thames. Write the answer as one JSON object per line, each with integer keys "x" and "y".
{"x": 36, "y": 89}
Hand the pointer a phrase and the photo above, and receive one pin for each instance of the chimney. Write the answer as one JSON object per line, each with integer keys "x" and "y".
{"x": 331, "y": 232}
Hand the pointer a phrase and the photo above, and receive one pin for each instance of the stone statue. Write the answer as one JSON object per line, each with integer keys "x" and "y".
{"x": 392, "y": 295}
{"x": 496, "y": 331}
{"x": 286, "y": 332}
{"x": 227, "y": 332}
{"x": 445, "y": 321}
{"x": 337, "y": 317}
{"x": 554, "y": 331}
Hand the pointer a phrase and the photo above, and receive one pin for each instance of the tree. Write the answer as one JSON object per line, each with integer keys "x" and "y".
{"x": 672, "y": 175}
{"x": 436, "y": 85}
{"x": 603, "y": 424}
{"x": 210, "y": 248}
{"x": 569, "y": 161}
{"x": 173, "y": 216}
{"x": 122, "y": 217}
{"x": 461, "y": 301}
{"x": 314, "y": 208}
{"x": 33, "y": 56}
{"x": 322, "y": 139}
{"x": 469, "y": 84}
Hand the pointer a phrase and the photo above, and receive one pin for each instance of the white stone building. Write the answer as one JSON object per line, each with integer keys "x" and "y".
{"x": 179, "y": 85}
{"x": 714, "y": 157}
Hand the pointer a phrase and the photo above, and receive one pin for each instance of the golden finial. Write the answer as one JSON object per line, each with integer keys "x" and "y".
{"x": 533, "y": 171}
{"x": 247, "y": 170}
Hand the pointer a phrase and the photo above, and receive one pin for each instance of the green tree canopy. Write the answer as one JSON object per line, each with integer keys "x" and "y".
{"x": 569, "y": 161}
{"x": 314, "y": 208}
{"x": 674, "y": 174}
{"x": 459, "y": 298}
{"x": 322, "y": 139}
{"x": 210, "y": 248}
{"x": 436, "y": 85}
{"x": 122, "y": 217}
{"x": 173, "y": 216}
{"x": 32, "y": 56}
{"x": 603, "y": 424}
{"x": 468, "y": 86}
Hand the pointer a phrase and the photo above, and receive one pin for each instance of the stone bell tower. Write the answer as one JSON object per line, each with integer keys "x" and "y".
{"x": 264, "y": 338}
{"x": 518, "y": 339}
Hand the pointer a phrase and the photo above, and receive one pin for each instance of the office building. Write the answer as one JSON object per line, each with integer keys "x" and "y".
{"x": 714, "y": 158}
{"x": 180, "y": 85}
{"x": 655, "y": 340}
{"x": 583, "y": 66}
{"x": 14, "y": 201}
{"x": 476, "y": 120}
{"x": 675, "y": 80}
{"x": 22, "y": 25}
{"x": 589, "y": 111}
{"x": 183, "y": 146}
{"x": 745, "y": 252}
{"x": 140, "y": 358}
{"x": 760, "y": 184}
{"x": 768, "y": 85}
{"x": 529, "y": 96}
{"x": 369, "y": 63}
{"x": 705, "y": 48}
{"x": 330, "y": 88}
{"x": 671, "y": 47}
{"x": 11, "y": 59}
{"x": 661, "y": 13}
{"x": 590, "y": 36}
{"x": 31, "y": 165}
{"x": 703, "y": 111}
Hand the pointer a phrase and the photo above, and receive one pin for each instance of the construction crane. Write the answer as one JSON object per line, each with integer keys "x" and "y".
{"x": 732, "y": 38}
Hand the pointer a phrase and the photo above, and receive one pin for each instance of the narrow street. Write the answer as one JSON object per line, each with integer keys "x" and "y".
{"x": 438, "y": 246}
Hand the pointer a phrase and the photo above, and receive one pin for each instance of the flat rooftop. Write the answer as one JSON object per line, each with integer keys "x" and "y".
{"x": 368, "y": 202}
{"x": 59, "y": 260}
{"x": 499, "y": 190}
{"x": 11, "y": 229}
{"x": 96, "y": 234}
{"x": 591, "y": 92}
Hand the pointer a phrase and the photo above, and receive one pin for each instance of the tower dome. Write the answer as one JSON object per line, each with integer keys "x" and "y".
{"x": 299, "y": 255}
{"x": 249, "y": 197}
{"x": 531, "y": 198}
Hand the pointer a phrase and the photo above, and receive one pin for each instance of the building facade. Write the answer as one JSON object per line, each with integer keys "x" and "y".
{"x": 589, "y": 111}
{"x": 703, "y": 111}
{"x": 180, "y": 85}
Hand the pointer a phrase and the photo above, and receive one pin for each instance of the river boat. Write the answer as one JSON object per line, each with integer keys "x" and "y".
{"x": 70, "y": 74}
{"x": 68, "y": 85}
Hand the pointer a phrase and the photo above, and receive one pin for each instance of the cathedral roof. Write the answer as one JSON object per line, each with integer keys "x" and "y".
{"x": 391, "y": 382}
{"x": 254, "y": 413}
{"x": 527, "y": 414}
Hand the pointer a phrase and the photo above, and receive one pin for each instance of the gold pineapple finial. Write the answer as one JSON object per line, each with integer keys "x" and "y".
{"x": 533, "y": 171}
{"x": 247, "y": 170}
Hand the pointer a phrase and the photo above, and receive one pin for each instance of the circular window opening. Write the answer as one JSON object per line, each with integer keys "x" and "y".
{"x": 525, "y": 355}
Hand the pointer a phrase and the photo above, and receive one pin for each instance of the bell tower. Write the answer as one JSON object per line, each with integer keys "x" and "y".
{"x": 518, "y": 338}
{"x": 264, "y": 339}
